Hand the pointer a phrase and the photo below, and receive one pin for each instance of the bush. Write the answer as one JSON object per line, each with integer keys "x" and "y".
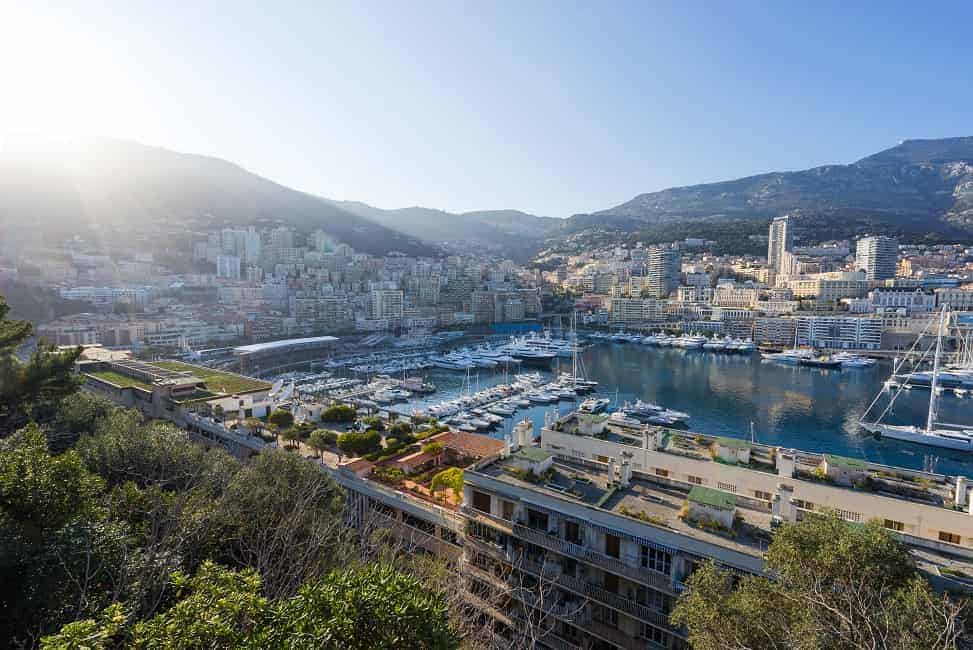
{"x": 433, "y": 448}
{"x": 400, "y": 428}
{"x": 374, "y": 422}
{"x": 358, "y": 444}
{"x": 281, "y": 419}
{"x": 339, "y": 413}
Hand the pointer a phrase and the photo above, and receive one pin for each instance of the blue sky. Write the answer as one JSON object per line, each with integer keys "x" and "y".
{"x": 552, "y": 108}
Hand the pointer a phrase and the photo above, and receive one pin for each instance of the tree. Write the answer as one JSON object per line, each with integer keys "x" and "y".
{"x": 451, "y": 478}
{"x": 359, "y": 444}
{"x": 281, "y": 419}
{"x": 59, "y": 556}
{"x": 433, "y": 448}
{"x": 374, "y": 607}
{"x": 339, "y": 413}
{"x": 364, "y": 608}
{"x": 322, "y": 439}
{"x": 30, "y": 389}
{"x": 836, "y": 586}
{"x": 291, "y": 436}
{"x": 282, "y": 517}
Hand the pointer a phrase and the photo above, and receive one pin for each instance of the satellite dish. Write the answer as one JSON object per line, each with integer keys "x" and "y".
{"x": 276, "y": 387}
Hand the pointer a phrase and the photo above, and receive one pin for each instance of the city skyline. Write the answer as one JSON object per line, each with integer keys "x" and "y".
{"x": 486, "y": 111}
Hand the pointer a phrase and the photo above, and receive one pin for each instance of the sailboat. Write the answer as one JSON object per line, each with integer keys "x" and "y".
{"x": 934, "y": 434}
{"x": 576, "y": 380}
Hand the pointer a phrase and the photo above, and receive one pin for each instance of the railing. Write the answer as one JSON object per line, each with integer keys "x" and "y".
{"x": 645, "y": 576}
{"x": 586, "y": 588}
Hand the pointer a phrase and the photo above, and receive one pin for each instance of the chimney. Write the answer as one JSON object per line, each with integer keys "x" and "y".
{"x": 961, "y": 495}
{"x": 626, "y": 478}
{"x": 785, "y": 463}
{"x": 506, "y": 446}
{"x": 611, "y": 469}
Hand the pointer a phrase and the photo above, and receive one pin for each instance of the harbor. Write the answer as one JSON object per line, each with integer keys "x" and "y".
{"x": 816, "y": 409}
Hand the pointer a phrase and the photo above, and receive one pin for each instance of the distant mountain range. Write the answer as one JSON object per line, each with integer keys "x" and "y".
{"x": 919, "y": 187}
{"x": 116, "y": 185}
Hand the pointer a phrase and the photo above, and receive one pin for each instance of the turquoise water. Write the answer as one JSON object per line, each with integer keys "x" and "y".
{"x": 790, "y": 406}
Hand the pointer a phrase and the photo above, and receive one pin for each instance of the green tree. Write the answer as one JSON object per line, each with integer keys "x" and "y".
{"x": 836, "y": 586}
{"x": 281, "y": 419}
{"x": 433, "y": 448}
{"x": 322, "y": 439}
{"x": 30, "y": 389}
{"x": 59, "y": 555}
{"x": 451, "y": 478}
{"x": 360, "y": 609}
{"x": 291, "y": 436}
{"x": 339, "y": 413}
{"x": 359, "y": 444}
{"x": 371, "y": 608}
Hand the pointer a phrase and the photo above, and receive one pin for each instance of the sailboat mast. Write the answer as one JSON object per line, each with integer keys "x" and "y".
{"x": 931, "y": 418}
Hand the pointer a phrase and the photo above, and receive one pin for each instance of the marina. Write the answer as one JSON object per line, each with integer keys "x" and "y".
{"x": 817, "y": 409}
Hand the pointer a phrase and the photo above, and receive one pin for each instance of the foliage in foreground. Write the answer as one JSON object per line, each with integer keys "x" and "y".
{"x": 364, "y": 608}
{"x": 838, "y": 586}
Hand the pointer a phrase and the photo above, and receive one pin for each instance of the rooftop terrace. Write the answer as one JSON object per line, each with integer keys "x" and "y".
{"x": 910, "y": 485}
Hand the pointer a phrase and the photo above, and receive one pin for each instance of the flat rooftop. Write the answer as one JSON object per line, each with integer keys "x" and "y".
{"x": 657, "y": 504}
{"x": 910, "y": 485}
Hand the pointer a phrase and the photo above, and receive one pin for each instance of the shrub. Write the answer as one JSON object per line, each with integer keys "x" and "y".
{"x": 357, "y": 444}
{"x": 339, "y": 413}
{"x": 433, "y": 448}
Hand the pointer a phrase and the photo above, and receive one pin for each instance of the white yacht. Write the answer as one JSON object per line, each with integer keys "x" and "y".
{"x": 792, "y": 357}
{"x": 849, "y": 360}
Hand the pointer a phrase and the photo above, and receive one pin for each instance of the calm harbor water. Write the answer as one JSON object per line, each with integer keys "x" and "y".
{"x": 806, "y": 408}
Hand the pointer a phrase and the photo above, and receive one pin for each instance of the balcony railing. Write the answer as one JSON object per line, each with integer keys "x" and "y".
{"x": 552, "y": 542}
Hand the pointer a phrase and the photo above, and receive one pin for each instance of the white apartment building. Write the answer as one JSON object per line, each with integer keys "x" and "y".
{"x": 877, "y": 257}
{"x": 387, "y": 304}
{"x": 912, "y": 301}
{"x": 780, "y": 241}
{"x": 840, "y": 332}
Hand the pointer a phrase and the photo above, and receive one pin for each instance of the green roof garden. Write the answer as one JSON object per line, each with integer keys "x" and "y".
{"x": 532, "y": 454}
{"x": 713, "y": 498}
{"x": 118, "y": 379}
{"x": 845, "y": 462}
{"x": 217, "y": 381}
{"x": 733, "y": 443}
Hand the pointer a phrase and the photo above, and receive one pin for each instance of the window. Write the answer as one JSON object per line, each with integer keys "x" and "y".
{"x": 611, "y": 583}
{"x": 572, "y": 532}
{"x": 952, "y": 538}
{"x": 536, "y": 520}
{"x": 653, "y": 634}
{"x": 653, "y": 558}
{"x": 605, "y": 615}
{"x": 661, "y": 472}
{"x": 695, "y": 480}
{"x": 507, "y": 508}
{"x": 727, "y": 487}
{"x": 612, "y": 545}
{"x": 653, "y": 599}
{"x": 764, "y": 496}
{"x": 602, "y": 459}
{"x": 481, "y": 501}
{"x": 803, "y": 505}
{"x": 848, "y": 515}
{"x": 891, "y": 524}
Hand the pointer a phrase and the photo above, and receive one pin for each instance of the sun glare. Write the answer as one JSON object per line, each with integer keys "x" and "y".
{"x": 58, "y": 81}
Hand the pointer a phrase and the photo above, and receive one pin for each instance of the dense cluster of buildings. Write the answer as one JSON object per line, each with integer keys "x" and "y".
{"x": 248, "y": 284}
{"x": 868, "y": 295}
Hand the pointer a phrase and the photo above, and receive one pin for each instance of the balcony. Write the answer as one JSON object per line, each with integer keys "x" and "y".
{"x": 596, "y": 592}
{"x": 646, "y": 576}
